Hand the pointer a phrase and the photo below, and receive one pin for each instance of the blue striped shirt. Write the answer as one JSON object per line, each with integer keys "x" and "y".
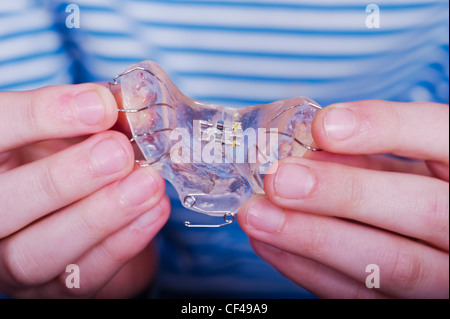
{"x": 234, "y": 53}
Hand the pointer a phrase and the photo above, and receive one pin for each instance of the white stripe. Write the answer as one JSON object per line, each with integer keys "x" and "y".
{"x": 332, "y": 2}
{"x": 308, "y": 19}
{"x": 113, "y": 47}
{"x": 15, "y": 6}
{"x": 291, "y": 68}
{"x": 59, "y": 78}
{"x": 104, "y": 22}
{"x": 33, "y": 69}
{"x": 268, "y": 90}
{"x": 99, "y": 3}
{"x": 274, "y": 43}
{"x": 28, "y": 21}
{"x": 105, "y": 70}
{"x": 17, "y": 47}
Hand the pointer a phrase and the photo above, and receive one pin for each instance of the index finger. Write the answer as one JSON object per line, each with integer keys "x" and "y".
{"x": 54, "y": 112}
{"x": 415, "y": 130}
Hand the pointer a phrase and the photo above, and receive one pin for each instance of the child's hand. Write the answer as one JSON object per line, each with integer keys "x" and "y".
{"x": 327, "y": 219}
{"x": 64, "y": 204}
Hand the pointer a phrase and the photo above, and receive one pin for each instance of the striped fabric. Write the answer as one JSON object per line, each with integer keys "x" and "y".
{"x": 235, "y": 53}
{"x": 31, "y": 51}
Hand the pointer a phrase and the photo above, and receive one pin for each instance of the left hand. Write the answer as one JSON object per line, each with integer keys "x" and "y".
{"x": 329, "y": 216}
{"x": 66, "y": 199}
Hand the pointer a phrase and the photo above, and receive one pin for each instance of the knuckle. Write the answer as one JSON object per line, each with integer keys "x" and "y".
{"x": 436, "y": 218}
{"x": 353, "y": 196}
{"x": 164, "y": 203}
{"x": 47, "y": 182}
{"x": 111, "y": 256}
{"x": 85, "y": 289}
{"x": 31, "y": 116}
{"x": 317, "y": 238}
{"x": 92, "y": 224}
{"x": 406, "y": 271}
{"x": 104, "y": 214}
{"x": 20, "y": 269}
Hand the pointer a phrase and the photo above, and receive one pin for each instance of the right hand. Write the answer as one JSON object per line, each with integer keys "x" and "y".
{"x": 80, "y": 203}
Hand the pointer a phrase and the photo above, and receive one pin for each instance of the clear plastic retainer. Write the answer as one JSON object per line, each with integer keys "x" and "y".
{"x": 216, "y": 157}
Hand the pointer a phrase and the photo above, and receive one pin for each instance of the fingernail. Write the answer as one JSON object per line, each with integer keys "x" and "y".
{"x": 138, "y": 187}
{"x": 149, "y": 218}
{"x": 339, "y": 123}
{"x": 265, "y": 216}
{"x": 293, "y": 181}
{"x": 108, "y": 157}
{"x": 89, "y": 108}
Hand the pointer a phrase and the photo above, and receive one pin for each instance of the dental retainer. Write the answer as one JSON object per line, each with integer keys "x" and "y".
{"x": 216, "y": 157}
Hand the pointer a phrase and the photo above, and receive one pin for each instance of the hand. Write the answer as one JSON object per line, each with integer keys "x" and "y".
{"x": 63, "y": 203}
{"x": 327, "y": 217}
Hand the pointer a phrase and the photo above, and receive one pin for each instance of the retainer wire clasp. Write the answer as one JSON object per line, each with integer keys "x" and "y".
{"x": 116, "y": 81}
{"x": 228, "y": 219}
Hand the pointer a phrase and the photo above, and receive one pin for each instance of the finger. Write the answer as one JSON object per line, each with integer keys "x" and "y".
{"x": 439, "y": 170}
{"x": 413, "y": 130}
{"x": 30, "y": 258}
{"x": 9, "y": 160}
{"x": 121, "y": 124}
{"x": 60, "y": 179}
{"x": 54, "y": 112}
{"x": 415, "y": 206}
{"x": 103, "y": 262}
{"x": 407, "y": 269}
{"x": 107, "y": 258}
{"x": 375, "y": 162}
{"x": 135, "y": 279}
{"x": 321, "y": 280}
